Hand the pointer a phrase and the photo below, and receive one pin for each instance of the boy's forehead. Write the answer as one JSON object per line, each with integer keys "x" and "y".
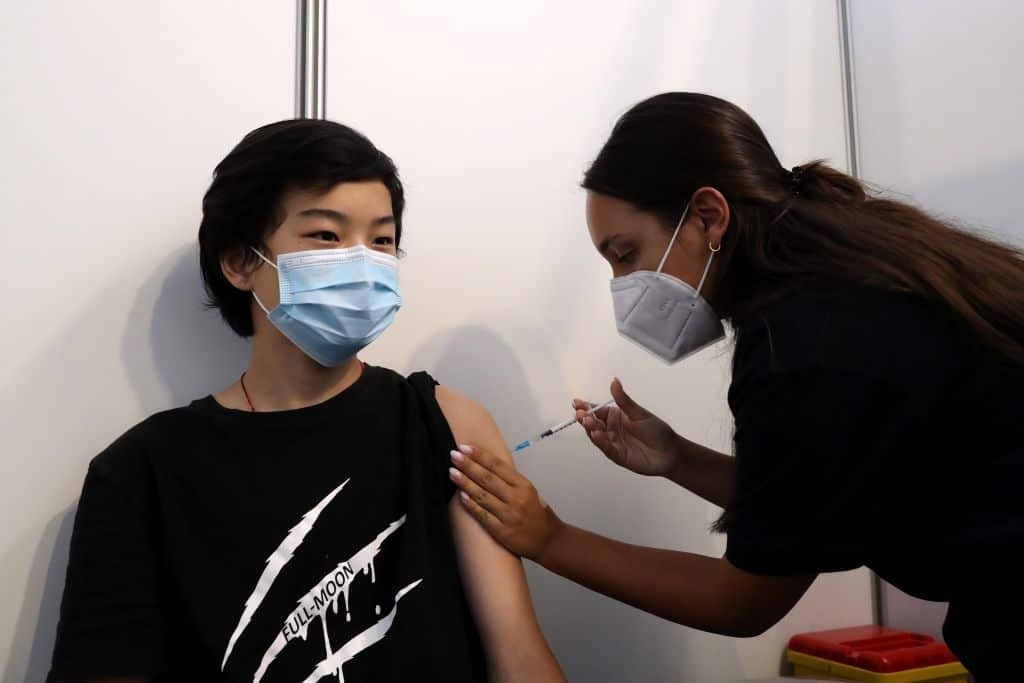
{"x": 369, "y": 196}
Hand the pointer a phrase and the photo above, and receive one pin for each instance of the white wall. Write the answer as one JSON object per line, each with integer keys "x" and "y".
{"x": 114, "y": 114}
{"x": 940, "y": 89}
{"x": 492, "y": 112}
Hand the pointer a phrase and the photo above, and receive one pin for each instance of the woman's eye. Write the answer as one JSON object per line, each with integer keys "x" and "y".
{"x": 326, "y": 236}
{"x": 625, "y": 258}
{"x": 384, "y": 241}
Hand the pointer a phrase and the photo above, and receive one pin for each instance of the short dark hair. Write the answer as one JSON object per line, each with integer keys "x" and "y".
{"x": 242, "y": 206}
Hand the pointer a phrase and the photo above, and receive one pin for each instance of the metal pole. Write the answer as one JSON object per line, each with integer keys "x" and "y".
{"x": 311, "y": 59}
{"x": 853, "y": 166}
{"x": 849, "y": 91}
{"x": 320, "y": 66}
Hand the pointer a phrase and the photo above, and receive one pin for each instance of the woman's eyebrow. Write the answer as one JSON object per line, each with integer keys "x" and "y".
{"x": 607, "y": 242}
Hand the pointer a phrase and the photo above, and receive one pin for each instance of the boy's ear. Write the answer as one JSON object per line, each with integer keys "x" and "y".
{"x": 238, "y": 267}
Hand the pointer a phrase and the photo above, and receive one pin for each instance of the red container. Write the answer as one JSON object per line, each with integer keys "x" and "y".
{"x": 874, "y": 648}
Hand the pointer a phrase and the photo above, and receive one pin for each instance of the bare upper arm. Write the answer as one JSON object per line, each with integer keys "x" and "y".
{"x": 493, "y": 578}
{"x": 757, "y": 602}
{"x": 479, "y": 554}
{"x": 469, "y": 420}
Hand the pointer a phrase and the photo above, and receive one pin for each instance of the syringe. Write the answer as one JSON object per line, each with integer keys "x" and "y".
{"x": 559, "y": 427}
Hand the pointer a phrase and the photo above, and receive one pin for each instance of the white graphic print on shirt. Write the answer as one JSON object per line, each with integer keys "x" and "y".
{"x": 314, "y": 604}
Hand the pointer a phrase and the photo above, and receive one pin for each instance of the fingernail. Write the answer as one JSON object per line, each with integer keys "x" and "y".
{"x": 464, "y": 496}
{"x": 466, "y": 449}
{"x": 457, "y": 457}
{"x": 454, "y": 473}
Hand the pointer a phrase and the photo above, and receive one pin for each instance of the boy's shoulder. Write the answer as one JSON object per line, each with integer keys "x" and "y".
{"x": 128, "y": 452}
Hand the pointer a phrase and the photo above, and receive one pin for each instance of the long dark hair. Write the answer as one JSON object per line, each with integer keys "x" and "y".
{"x": 812, "y": 226}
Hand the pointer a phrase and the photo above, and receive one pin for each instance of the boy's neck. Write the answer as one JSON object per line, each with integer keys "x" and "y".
{"x": 281, "y": 376}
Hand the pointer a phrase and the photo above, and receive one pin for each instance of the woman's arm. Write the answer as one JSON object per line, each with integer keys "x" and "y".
{"x": 705, "y": 472}
{"x": 635, "y": 438}
{"x": 694, "y": 590}
{"x": 493, "y": 578}
{"x": 701, "y": 592}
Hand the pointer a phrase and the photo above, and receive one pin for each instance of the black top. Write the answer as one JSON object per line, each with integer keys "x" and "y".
{"x": 874, "y": 429}
{"x": 289, "y": 546}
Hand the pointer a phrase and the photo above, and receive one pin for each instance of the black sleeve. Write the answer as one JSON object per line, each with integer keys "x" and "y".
{"x": 814, "y": 451}
{"x": 442, "y": 441}
{"x": 110, "y": 616}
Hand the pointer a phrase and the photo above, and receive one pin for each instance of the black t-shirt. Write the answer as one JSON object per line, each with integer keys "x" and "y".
{"x": 874, "y": 429}
{"x": 289, "y": 546}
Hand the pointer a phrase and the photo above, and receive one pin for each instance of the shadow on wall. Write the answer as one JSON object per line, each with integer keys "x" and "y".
{"x": 187, "y": 351}
{"x": 36, "y": 622}
{"x": 63, "y": 376}
{"x": 173, "y": 350}
{"x": 477, "y": 362}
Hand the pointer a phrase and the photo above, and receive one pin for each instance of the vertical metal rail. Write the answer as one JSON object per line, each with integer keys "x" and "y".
{"x": 853, "y": 166}
{"x": 849, "y": 89}
{"x": 311, "y": 59}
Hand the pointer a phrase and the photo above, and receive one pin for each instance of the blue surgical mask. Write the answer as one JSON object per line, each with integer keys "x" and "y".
{"x": 334, "y": 302}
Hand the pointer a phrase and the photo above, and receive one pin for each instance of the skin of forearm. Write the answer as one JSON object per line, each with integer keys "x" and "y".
{"x": 682, "y": 587}
{"x": 706, "y": 472}
{"x": 524, "y": 666}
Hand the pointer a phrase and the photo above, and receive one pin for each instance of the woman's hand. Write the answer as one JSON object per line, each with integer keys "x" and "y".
{"x": 631, "y": 436}
{"x": 504, "y": 502}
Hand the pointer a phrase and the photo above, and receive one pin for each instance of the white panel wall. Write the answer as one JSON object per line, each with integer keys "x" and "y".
{"x": 940, "y": 88}
{"x": 114, "y": 114}
{"x": 492, "y": 112}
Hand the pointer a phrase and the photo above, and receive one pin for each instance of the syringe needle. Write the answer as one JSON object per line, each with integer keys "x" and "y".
{"x": 559, "y": 427}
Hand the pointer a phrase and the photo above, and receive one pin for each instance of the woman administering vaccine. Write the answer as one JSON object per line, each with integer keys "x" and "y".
{"x": 875, "y": 390}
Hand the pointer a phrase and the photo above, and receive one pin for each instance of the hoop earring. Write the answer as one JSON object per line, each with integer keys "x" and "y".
{"x": 715, "y": 250}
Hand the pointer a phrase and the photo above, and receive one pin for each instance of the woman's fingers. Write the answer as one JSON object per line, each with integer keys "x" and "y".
{"x": 615, "y": 421}
{"x": 487, "y": 520}
{"x": 481, "y": 469}
{"x": 601, "y": 426}
{"x": 604, "y": 443}
{"x": 631, "y": 408}
{"x": 524, "y": 525}
{"x": 585, "y": 407}
{"x": 590, "y": 421}
{"x": 483, "y": 499}
{"x": 502, "y": 468}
